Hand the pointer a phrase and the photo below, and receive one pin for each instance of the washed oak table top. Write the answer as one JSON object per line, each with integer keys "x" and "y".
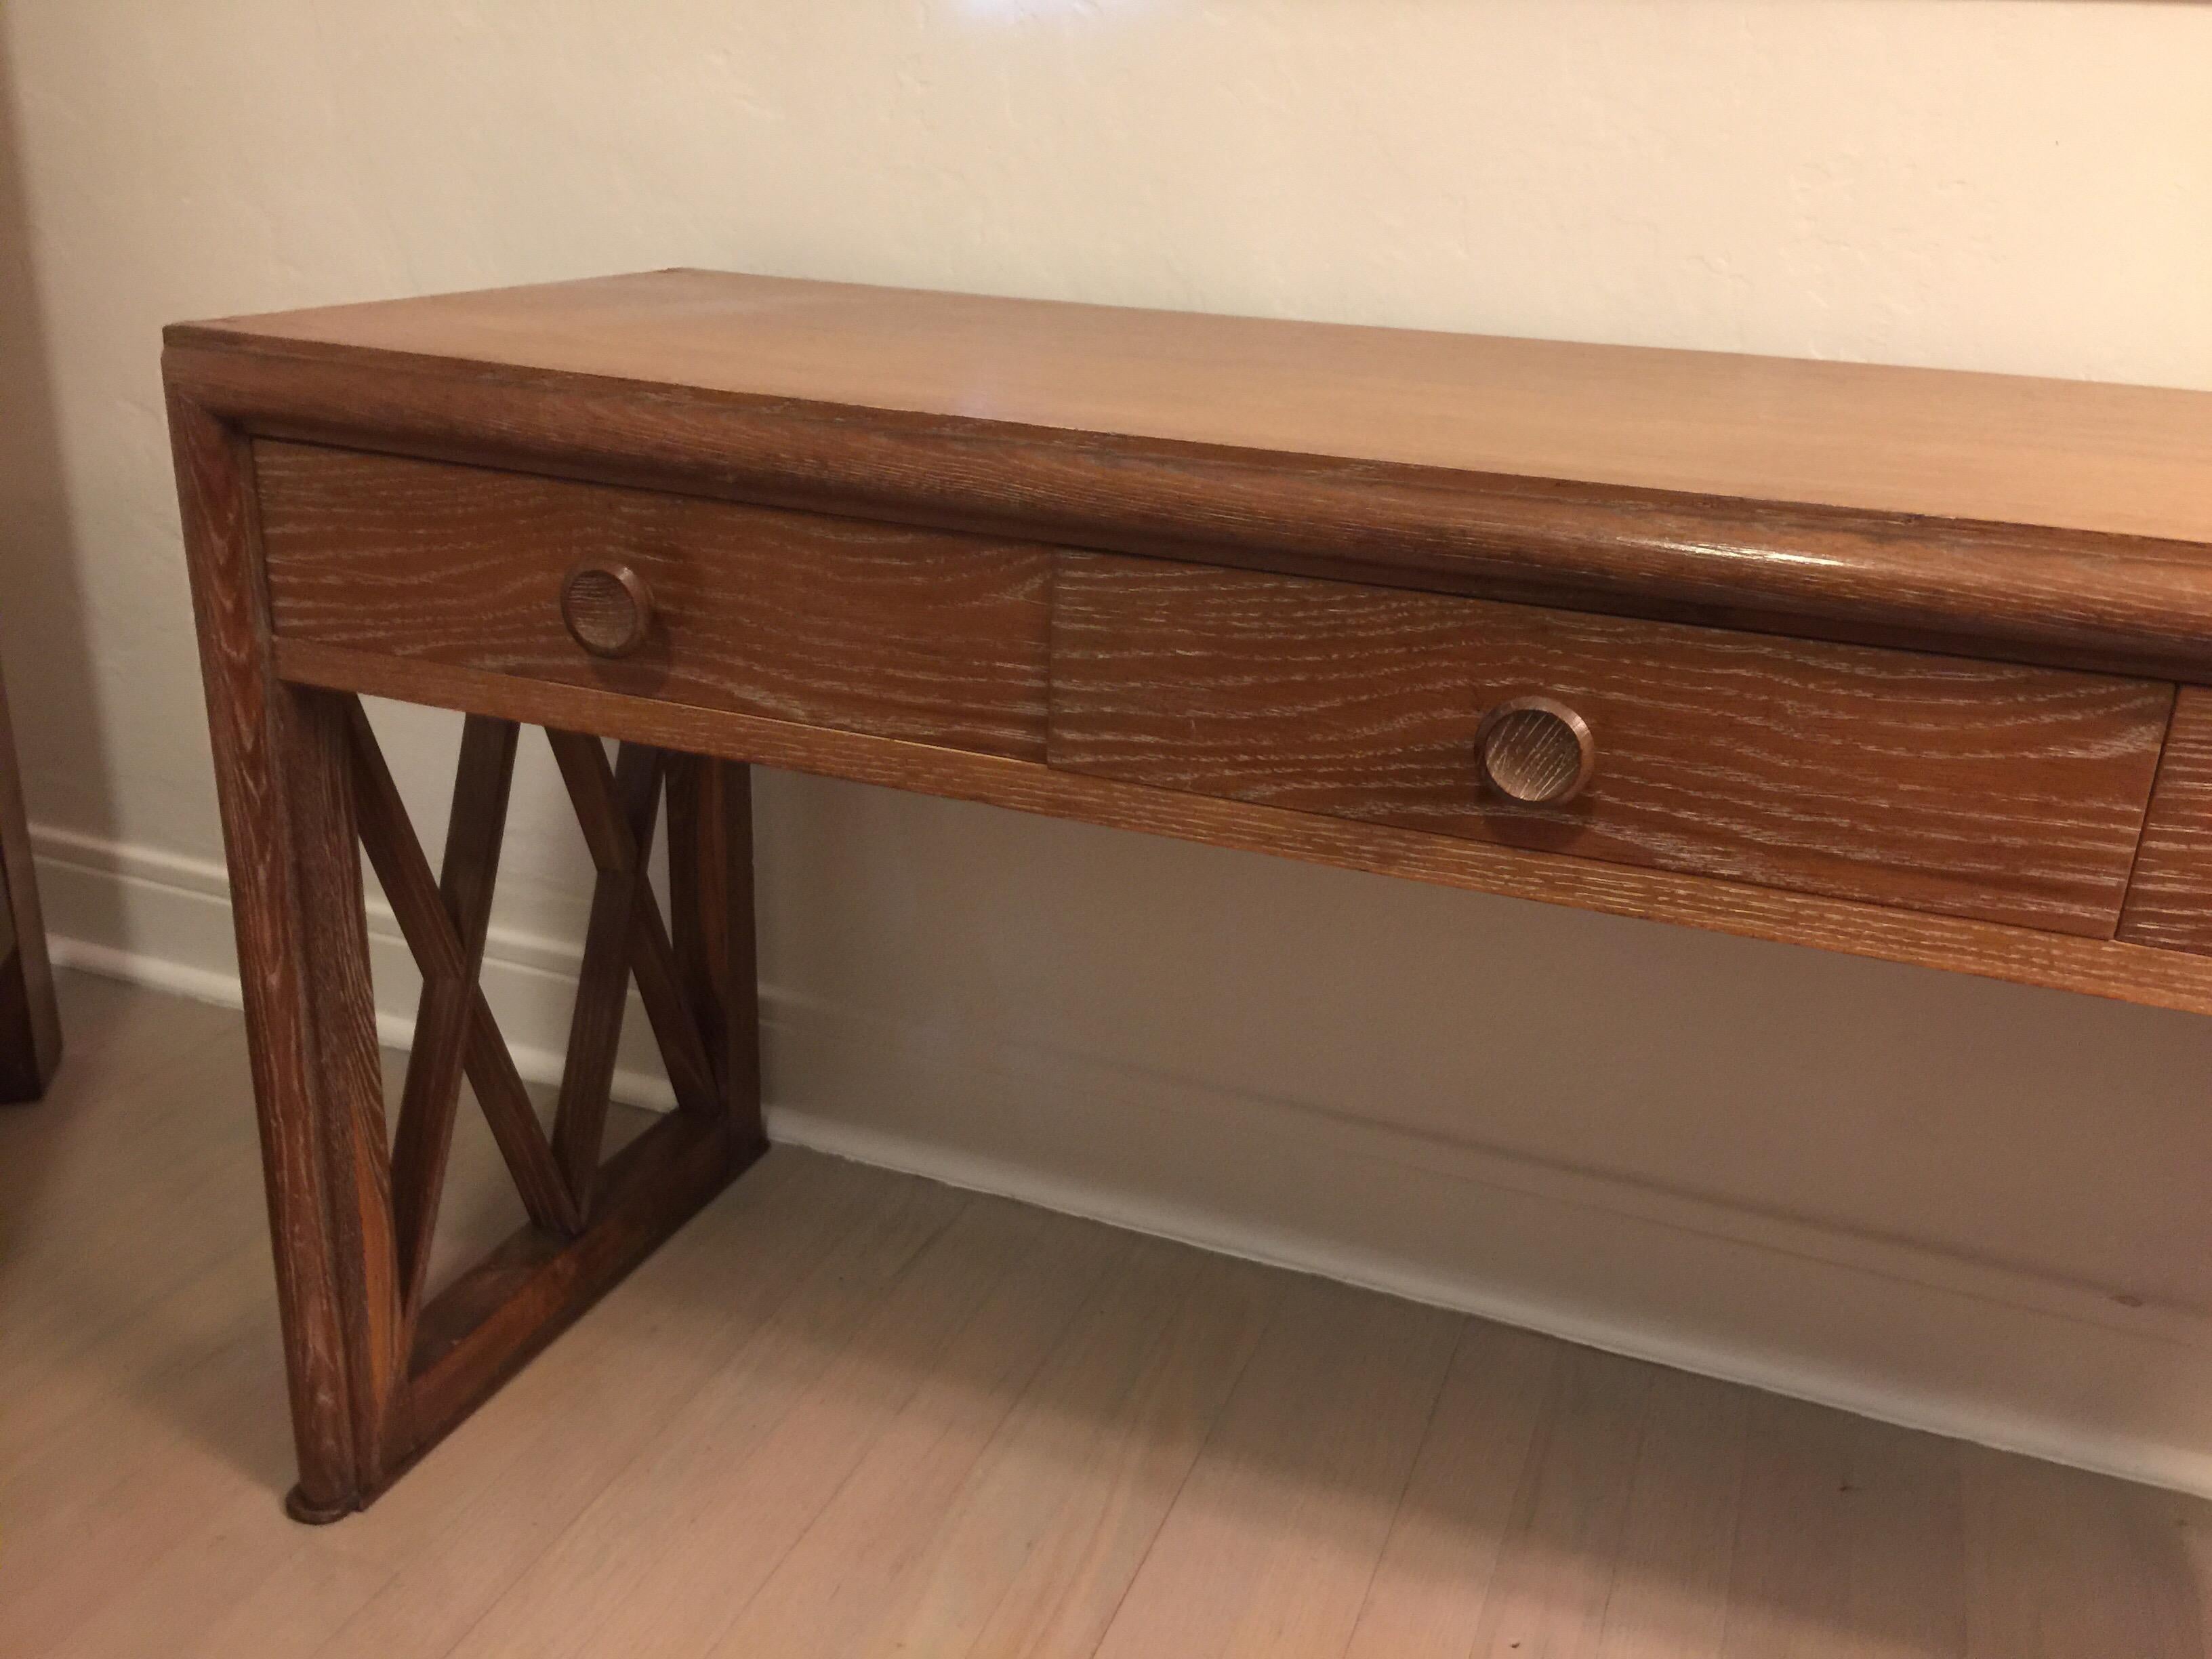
{"x": 1898, "y": 662}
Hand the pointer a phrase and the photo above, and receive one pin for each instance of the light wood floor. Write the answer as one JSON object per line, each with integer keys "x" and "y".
{"x": 847, "y": 1412}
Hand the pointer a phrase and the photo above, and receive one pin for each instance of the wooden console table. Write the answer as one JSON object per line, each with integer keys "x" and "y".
{"x": 1905, "y": 664}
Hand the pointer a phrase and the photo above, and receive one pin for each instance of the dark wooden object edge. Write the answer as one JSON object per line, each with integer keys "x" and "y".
{"x": 2028, "y": 593}
{"x": 30, "y": 1020}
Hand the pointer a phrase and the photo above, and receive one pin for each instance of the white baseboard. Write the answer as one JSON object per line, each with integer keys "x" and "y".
{"x": 1886, "y": 1328}
{"x": 161, "y": 919}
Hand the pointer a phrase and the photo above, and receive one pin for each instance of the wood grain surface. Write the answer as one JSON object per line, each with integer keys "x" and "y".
{"x": 2127, "y": 460}
{"x": 710, "y": 924}
{"x": 498, "y": 1315}
{"x": 2085, "y": 578}
{"x": 253, "y": 725}
{"x": 2170, "y": 895}
{"x": 453, "y": 908}
{"x": 838, "y": 622}
{"x": 844, "y": 505}
{"x": 374, "y": 1382}
{"x": 1979, "y": 789}
{"x": 2166, "y": 978}
{"x": 444, "y": 919}
{"x": 313, "y": 756}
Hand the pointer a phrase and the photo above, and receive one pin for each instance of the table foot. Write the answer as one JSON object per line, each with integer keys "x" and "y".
{"x": 305, "y": 1510}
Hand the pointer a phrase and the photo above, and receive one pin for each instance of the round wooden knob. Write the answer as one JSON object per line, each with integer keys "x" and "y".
{"x": 607, "y": 607}
{"x": 1535, "y": 750}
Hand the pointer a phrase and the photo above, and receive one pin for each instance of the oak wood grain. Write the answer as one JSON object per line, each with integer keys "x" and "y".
{"x": 2169, "y": 900}
{"x": 607, "y": 609}
{"x": 1933, "y": 442}
{"x": 900, "y": 632}
{"x": 251, "y": 723}
{"x": 314, "y": 752}
{"x": 373, "y": 1388}
{"x": 2166, "y": 979}
{"x": 498, "y": 1315}
{"x": 618, "y": 810}
{"x": 710, "y": 901}
{"x": 422, "y": 1141}
{"x": 444, "y": 921}
{"x": 1976, "y": 789}
{"x": 1907, "y": 556}
{"x": 828, "y": 516}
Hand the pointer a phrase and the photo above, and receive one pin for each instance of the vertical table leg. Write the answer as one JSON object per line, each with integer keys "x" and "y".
{"x": 330, "y": 932}
{"x": 284, "y": 783}
{"x": 710, "y": 891}
{"x": 379, "y": 1371}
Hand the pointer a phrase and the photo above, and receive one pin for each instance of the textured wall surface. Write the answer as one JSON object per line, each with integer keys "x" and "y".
{"x": 1813, "y": 1171}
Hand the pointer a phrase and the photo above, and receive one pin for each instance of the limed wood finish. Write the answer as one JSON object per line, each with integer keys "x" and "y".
{"x": 1872, "y": 660}
{"x": 379, "y": 1372}
{"x": 1535, "y": 749}
{"x": 607, "y": 607}
{"x": 852, "y": 1413}
{"x": 1976, "y": 789}
{"x": 30, "y": 1026}
{"x": 2012, "y": 516}
{"x": 829, "y": 622}
{"x": 2167, "y": 901}
{"x": 2166, "y": 979}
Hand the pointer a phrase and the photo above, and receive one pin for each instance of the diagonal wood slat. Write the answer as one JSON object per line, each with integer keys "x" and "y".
{"x": 446, "y": 1011}
{"x": 697, "y": 985}
{"x": 612, "y": 831}
{"x": 696, "y": 885}
{"x": 618, "y": 812}
{"x": 430, "y": 921}
{"x": 615, "y": 810}
{"x": 512, "y": 1115}
{"x": 661, "y": 988}
{"x": 710, "y": 901}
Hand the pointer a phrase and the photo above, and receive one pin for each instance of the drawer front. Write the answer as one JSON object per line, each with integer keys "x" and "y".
{"x": 2167, "y": 893}
{"x": 1976, "y": 789}
{"x": 841, "y": 623}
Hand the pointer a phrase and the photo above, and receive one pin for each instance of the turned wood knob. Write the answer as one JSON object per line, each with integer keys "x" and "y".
{"x": 607, "y": 607}
{"x": 1536, "y": 750}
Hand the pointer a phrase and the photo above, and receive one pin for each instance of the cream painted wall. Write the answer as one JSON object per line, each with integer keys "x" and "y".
{"x": 1966, "y": 1205}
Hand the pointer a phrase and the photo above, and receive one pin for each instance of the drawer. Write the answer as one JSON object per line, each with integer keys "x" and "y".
{"x": 1979, "y": 789}
{"x": 840, "y": 623}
